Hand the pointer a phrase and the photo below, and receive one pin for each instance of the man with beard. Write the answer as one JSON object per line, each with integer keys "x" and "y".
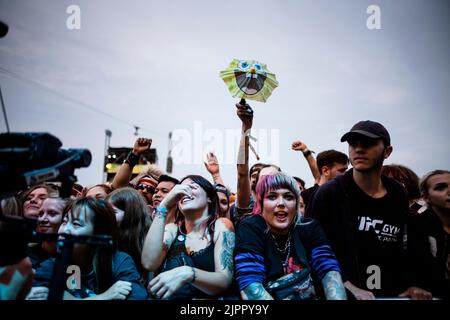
{"x": 363, "y": 215}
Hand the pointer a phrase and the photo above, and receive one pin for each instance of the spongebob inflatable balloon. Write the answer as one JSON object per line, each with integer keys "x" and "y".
{"x": 249, "y": 79}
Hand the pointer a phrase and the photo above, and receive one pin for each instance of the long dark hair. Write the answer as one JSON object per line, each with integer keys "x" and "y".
{"x": 213, "y": 206}
{"x": 104, "y": 221}
{"x": 135, "y": 224}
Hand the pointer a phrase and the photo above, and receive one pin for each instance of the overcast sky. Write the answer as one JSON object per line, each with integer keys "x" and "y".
{"x": 156, "y": 64}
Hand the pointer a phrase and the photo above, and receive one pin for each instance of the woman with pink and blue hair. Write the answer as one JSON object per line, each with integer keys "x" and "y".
{"x": 281, "y": 255}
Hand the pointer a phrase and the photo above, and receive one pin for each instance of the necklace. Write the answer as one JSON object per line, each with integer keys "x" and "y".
{"x": 285, "y": 252}
{"x": 183, "y": 235}
{"x": 287, "y": 244}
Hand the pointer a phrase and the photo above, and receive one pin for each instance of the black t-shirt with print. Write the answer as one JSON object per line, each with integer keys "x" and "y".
{"x": 379, "y": 225}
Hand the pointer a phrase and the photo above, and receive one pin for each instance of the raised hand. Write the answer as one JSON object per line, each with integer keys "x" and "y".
{"x": 297, "y": 145}
{"x": 212, "y": 164}
{"x": 141, "y": 145}
{"x": 175, "y": 195}
{"x": 245, "y": 113}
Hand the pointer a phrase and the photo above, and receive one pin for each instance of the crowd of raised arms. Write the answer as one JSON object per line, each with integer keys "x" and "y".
{"x": 373, "y": 231}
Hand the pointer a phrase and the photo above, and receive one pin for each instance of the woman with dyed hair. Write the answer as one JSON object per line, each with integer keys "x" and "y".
{"x": 279, "y": 254}
{"x": 192, "y": 257}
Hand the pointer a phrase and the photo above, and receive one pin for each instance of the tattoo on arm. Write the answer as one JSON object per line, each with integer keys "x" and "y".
{"x": 333, "y": 286}
{"x": 226, "y": 255}
{"x": 256, "y": 291}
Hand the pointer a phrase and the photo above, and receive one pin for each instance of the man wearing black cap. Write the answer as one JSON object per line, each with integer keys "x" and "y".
{"x": 363, "y": 214}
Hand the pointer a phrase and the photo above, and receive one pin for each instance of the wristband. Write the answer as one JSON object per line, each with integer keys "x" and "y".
{"x": 132, "y": 159}
{"x": 161, "y": 212}
{"x": 306, "y": 153}
{"x": 193, "y": 275}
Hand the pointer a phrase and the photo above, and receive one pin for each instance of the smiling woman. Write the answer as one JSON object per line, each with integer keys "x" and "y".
{"x": 279, "y": 254}
{"x": 33, "y": 198}
{"x": 49, "y": 221}
{"x": 106, "y": 273}
{"x": 192, "y": 257}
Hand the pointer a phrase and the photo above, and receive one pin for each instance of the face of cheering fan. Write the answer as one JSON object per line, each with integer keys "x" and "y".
{"x": 33, "y": 203}
{"x": 197, "y": 201}
{"x": 161, "y": 191}
{"x": 223, "y": 204}
{"x": 280, "y": 209}
{"x": 50, "y": 215}
{"x": 78, "y": 223}
{"x": 97, "y": 193}
{"x": 438, "y": 192}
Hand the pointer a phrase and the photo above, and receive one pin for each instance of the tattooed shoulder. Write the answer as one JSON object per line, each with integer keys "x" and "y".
{"x": 226, "y": 252}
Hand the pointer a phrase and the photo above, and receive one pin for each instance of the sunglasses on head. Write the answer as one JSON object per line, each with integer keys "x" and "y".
{"x": 149, "y": 188}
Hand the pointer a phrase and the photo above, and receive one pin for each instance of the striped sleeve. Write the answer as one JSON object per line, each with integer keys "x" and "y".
{"x": 323, "y": 261}
{"x": 249, "y": 269}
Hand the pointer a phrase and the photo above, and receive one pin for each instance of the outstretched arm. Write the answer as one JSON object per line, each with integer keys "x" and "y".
{"x": 161, "y": 235}
{"x": 243, "y": 193}
{"x": 212, "y": 283}
{"x": 123, "y": 175}
{"x": 300, "y": 146}
{"x": 212, "y": 165}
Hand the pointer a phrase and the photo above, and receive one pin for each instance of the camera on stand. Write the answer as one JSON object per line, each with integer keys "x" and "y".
{"x": 27, "y": 159}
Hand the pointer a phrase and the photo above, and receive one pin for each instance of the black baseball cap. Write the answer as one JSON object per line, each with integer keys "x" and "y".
{"x": 369, "y": 129}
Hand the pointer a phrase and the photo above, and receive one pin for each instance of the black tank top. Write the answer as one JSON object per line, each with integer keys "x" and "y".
{"x": 203, "y": 259}
{"x": 177, "y": 256}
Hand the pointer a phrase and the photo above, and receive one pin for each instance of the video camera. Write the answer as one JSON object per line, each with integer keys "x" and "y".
{"x": 27, "y": 159}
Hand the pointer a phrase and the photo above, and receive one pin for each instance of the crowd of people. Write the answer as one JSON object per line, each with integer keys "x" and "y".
{"x": 373, "y": 231}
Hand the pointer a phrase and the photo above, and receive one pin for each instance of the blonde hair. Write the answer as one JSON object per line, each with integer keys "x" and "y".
{"x": 423, "y": 184}
{"x": 151, "y": 170}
